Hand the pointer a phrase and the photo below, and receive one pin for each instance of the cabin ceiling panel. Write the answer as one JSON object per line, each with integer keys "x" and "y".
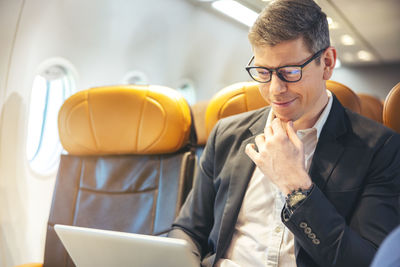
{"x": 378, "y": 22}
{"x": 373, "y": 24}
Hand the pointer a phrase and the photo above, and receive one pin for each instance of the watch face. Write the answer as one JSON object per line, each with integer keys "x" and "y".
{"x": 294, "y": 199}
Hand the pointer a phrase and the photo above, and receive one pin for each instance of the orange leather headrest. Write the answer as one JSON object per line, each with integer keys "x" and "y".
{"x": 245, "y": 96}
{"x": 128, "y": 119}
{"x": 234, "y": 99}
{"x": 391, "y": 109}
{"x": 345, "y": 95}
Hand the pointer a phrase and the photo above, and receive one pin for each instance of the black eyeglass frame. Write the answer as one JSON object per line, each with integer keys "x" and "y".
{"x": 276, "y": 70}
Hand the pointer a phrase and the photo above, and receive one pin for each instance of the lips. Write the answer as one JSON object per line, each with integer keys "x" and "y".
{"x": 284, "y": 103}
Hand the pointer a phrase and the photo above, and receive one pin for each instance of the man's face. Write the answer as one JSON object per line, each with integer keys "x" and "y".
{"x": 302, "y": 101}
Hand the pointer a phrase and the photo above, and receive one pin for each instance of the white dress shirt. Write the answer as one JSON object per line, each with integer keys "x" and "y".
{"x": 260, "y": 238}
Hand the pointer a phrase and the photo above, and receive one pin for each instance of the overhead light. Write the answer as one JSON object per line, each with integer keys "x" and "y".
{"x": 347, "y": 40}
{"x": 364, "y": 55}
{"x": 236, "y": 11}
{"x": 332, "y": 24}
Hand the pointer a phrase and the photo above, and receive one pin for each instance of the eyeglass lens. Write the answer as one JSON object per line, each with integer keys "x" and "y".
{"x": 290, "y": 74}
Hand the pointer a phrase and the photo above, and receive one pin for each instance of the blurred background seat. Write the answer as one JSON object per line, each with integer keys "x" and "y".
{"x": 391, "y": 108}
{"x": 129, "y": 165}
{"x": 199, "y": 118}
{"x": 347, "y": 97}
{"x": 371, "y": 107}
{"x": 388, "y": 253}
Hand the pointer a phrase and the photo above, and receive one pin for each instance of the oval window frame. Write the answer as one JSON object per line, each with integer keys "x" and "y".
{"x": 136, "y": 77}
{"x": 70, "y": 73}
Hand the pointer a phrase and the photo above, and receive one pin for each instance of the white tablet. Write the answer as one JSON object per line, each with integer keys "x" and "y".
{"x": 93, "y": 247}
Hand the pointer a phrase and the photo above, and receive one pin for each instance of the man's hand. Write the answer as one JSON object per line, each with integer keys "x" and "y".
{"x": 280, "y": 157}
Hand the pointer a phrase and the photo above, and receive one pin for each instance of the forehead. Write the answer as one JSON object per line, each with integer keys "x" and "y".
{"x": 285, "y": 53}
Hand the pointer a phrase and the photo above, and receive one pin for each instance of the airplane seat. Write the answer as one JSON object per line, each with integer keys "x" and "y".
{"x": 129, "y": 165}
{"x": 199, "y": 114}
{"x": 371, "y": 107}
{"x": 347, "y": 97}
{"x": 391, "y": 109}
{"x": 231, "y": 100}
{"x": 245, "y": 96}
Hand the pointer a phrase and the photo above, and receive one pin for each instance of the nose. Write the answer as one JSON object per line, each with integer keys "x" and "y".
{"x": 276, "y": 85}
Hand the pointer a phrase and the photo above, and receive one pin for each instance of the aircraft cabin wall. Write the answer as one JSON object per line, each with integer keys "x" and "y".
{"x": 99, "y": 42}
{"x": 373, "y": 80}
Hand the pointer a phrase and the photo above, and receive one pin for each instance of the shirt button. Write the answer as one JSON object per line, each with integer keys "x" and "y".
{"x": 303, "y": 225}
{"x": 278, "y": 229}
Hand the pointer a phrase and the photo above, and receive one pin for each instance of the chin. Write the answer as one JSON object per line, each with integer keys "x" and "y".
{"x": 284, "y": 118}
{"x": 286, "y": 114}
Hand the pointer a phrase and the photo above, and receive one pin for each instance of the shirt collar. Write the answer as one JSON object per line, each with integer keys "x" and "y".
{"x": 318, "y": 124}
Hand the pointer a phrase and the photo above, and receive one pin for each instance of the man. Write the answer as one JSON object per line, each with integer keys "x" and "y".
{"x": 303, "y": 182}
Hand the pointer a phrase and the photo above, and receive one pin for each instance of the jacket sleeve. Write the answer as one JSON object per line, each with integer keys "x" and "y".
{"x": 196, "y": 217}
{"x": 333, "y": 240}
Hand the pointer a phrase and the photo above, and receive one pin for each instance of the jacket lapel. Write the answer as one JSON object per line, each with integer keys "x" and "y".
{"x": 329, "y": 148}
{"x": 242, "y": 170}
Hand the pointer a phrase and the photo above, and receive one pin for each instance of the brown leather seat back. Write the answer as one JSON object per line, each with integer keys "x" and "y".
{"x": 129, "y": 166}
{"x": 391, "y": 109}
{"x": 371, "y": 107}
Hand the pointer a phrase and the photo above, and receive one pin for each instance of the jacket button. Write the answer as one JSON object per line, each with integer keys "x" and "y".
{"x": 303, "y": 225}
{"x": 307, "y": 230}
{"x": 316, "y": 241}
{"x": 312, "y": 236}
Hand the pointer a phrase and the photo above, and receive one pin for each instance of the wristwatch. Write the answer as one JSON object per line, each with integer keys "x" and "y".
{"x": 294, "y": 199}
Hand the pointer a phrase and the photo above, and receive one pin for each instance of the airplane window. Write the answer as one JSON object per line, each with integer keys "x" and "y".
{"x": 50, "y": 89}
{"x": 135, "y": 77}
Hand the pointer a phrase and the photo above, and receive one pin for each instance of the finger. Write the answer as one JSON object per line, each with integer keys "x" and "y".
{"x": 277, "y": 127}
{"x": 292, "y": 134}
{"x": 260, "y": 140}
{"x": 251, "y": 152}
{"x": 268, "y": 132}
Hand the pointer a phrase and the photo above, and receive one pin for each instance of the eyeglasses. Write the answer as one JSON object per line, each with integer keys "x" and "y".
{"x": 289, "y": 73}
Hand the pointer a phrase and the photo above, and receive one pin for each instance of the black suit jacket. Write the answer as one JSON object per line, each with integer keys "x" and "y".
{"x": 354, "y": 205}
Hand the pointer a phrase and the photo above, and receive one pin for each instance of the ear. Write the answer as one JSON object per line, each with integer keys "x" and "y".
{"x": 329, "y": 61}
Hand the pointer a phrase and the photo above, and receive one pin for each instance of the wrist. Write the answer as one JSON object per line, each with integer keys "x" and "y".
{"x": 304, "y": 187}
{"x": 296, "y": 197}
